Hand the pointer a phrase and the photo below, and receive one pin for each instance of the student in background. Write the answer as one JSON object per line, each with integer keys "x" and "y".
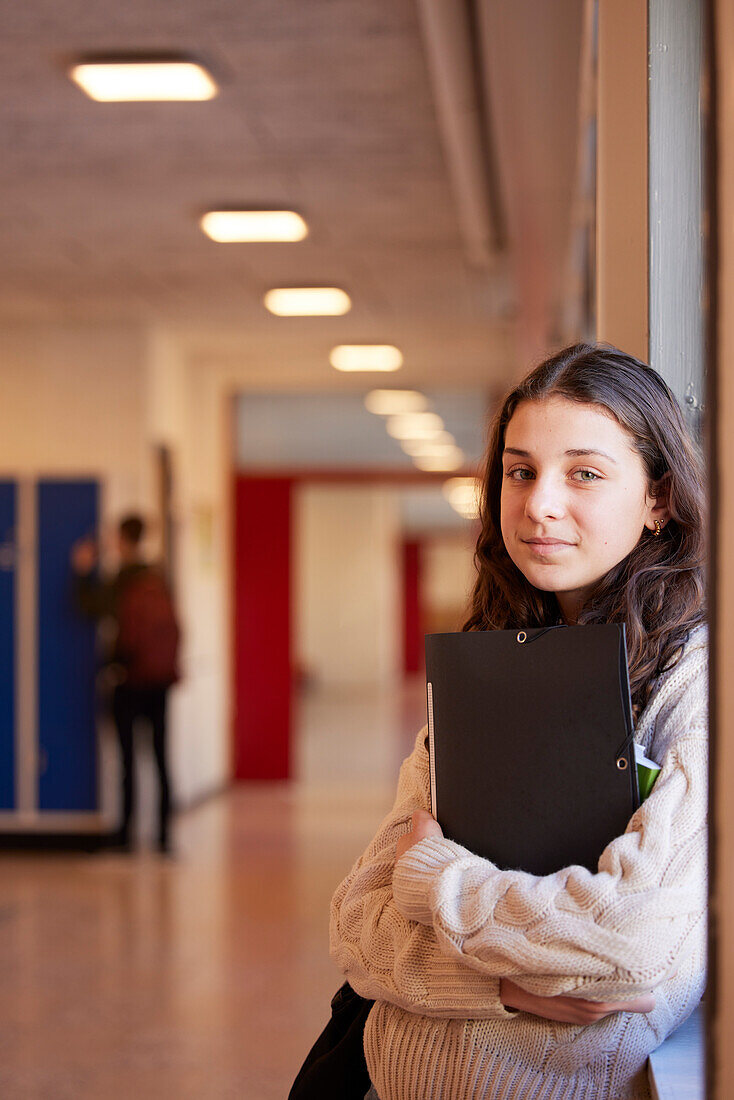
{"x": 143, "y": 658}
{"x": 494, "y": 983}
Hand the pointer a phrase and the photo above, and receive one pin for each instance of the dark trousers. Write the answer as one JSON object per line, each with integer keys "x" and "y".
{"x": 130, "y": 704}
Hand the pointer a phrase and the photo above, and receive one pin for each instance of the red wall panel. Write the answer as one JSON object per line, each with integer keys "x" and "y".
{"x": 413, "y": 649}
{"x": 262, "y": 628}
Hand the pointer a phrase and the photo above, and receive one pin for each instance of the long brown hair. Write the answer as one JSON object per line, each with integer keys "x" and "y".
{"x": 658, "y": 589}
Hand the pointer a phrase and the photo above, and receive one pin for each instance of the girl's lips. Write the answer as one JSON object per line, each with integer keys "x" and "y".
{"x": 546, "y": 546}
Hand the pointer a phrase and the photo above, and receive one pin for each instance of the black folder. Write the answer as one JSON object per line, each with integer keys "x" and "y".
{"x": 531, "y": 743}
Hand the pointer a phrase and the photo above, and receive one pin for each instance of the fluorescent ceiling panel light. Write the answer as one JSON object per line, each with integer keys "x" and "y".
{"x": 414, "y": 426}
{"x": 395, "y": 402}
{"x": 319, "y": 301}
{"x": 462, "y": 493}
{"x": 438, "y": 463}
{"x": 228, "y": 226}
{"x": 143, "y": 81}
{"x": 376, "y": 357}
{"x": 433, "y": 445}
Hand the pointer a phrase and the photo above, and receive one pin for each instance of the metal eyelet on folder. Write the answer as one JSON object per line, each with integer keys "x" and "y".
{"x": 622, "y": 764}
{"x": 522, "y": 635}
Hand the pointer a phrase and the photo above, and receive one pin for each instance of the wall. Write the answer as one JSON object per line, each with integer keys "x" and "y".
{"x": 93, "y": 400}
{"x": 448, "y": 579}
{"x": 185, "y": 416}
{"x": 73, "y": 403}
{"x": 722, "y": 772}
{"x": 622, "y": 178}
{"x": 347, "y": 584}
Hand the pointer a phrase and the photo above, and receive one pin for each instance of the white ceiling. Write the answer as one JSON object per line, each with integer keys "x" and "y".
{"x": 335, "y": 430}
{"x": 326, "y": 106}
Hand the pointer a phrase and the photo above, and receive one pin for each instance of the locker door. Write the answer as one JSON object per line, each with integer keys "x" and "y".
{"x": 67, "y": 741}
{"x": 8, "y": 505}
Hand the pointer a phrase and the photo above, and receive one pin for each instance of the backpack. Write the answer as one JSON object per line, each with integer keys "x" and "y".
{"x": 148, "y": 633}
{"x": 335, "y": 1068}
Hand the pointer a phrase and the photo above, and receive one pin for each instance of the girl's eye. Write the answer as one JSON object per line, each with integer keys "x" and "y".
{"x": 522, "y": 473}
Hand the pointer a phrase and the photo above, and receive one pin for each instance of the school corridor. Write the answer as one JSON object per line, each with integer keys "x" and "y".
{"x": 268, "y": 298}
{"x": 202, "y": 975}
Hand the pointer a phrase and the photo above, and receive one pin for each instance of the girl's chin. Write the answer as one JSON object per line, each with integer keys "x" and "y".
{"x": 548, "y": 578}
{"x": 545, "y": 580}
{"x": 546, "y": 586}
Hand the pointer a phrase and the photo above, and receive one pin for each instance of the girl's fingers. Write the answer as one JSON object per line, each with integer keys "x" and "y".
{"x": 567, "y": 1009}
{"x": 424, "y": 824}
{"x": 645, "y": 1003}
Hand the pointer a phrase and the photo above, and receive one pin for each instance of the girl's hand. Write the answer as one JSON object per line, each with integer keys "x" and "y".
{"x": 569, "y": 1010}
{"x": 423, "y": 825}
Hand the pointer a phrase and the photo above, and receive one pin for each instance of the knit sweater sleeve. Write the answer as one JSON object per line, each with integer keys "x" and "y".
{"x": 609, "y": 935}
{"x": 388, "y": 956}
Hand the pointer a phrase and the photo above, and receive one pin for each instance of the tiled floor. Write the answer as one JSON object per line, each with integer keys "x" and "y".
{"x": 206, "y": 976}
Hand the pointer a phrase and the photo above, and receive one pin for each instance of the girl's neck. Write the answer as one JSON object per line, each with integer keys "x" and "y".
{"x": 569, "y": 609}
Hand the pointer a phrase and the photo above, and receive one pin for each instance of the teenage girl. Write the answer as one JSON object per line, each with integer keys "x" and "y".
{"x": 501, "y": 984}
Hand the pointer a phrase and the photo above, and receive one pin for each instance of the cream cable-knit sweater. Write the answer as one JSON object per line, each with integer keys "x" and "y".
{"x": 430, "y": 942}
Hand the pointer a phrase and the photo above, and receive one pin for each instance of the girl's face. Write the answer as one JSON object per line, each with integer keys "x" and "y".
{"x": 575, "y": 497}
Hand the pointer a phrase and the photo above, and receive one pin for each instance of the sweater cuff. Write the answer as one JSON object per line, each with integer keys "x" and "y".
{"x": 415, "y": 874}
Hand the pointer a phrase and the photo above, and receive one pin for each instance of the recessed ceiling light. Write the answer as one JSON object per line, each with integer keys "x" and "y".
{"x": 414, "y": 425}
{"x": 462, "y": 493}
{"x": 317, "y": 301}
{"x": 143, "y": 80}
{"x": 377, "y": 357}
{"x": 448, "y": 461}
{"x": 432, "y": 445}
{"x": 226, "y": 226}
{"x": 395, "y": 402}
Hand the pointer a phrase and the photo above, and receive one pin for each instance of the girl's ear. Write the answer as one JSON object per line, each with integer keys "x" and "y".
{"x": 658, "y": 503}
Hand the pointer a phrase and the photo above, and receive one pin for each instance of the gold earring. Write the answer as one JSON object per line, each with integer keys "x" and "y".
{"x": 658, "y": 528}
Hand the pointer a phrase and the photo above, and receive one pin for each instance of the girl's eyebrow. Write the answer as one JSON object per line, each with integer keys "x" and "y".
{"x": 576, "y": 452}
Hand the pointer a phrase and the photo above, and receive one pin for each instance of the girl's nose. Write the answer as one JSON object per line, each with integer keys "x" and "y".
{"x": 544, "y": 500}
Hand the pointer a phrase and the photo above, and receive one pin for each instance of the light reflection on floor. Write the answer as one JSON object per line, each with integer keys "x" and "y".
{"x": 207, "y": 975}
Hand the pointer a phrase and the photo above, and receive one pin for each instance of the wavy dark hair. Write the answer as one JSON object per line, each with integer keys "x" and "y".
{"x": 658, "y": 589}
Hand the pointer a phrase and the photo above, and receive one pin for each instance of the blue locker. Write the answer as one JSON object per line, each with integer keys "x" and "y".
{"x": 67, "y": 742}
{"x": 8, "y": 504}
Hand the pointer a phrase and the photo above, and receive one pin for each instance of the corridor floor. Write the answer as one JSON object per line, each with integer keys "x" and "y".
{"x": 207, "y": 975}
